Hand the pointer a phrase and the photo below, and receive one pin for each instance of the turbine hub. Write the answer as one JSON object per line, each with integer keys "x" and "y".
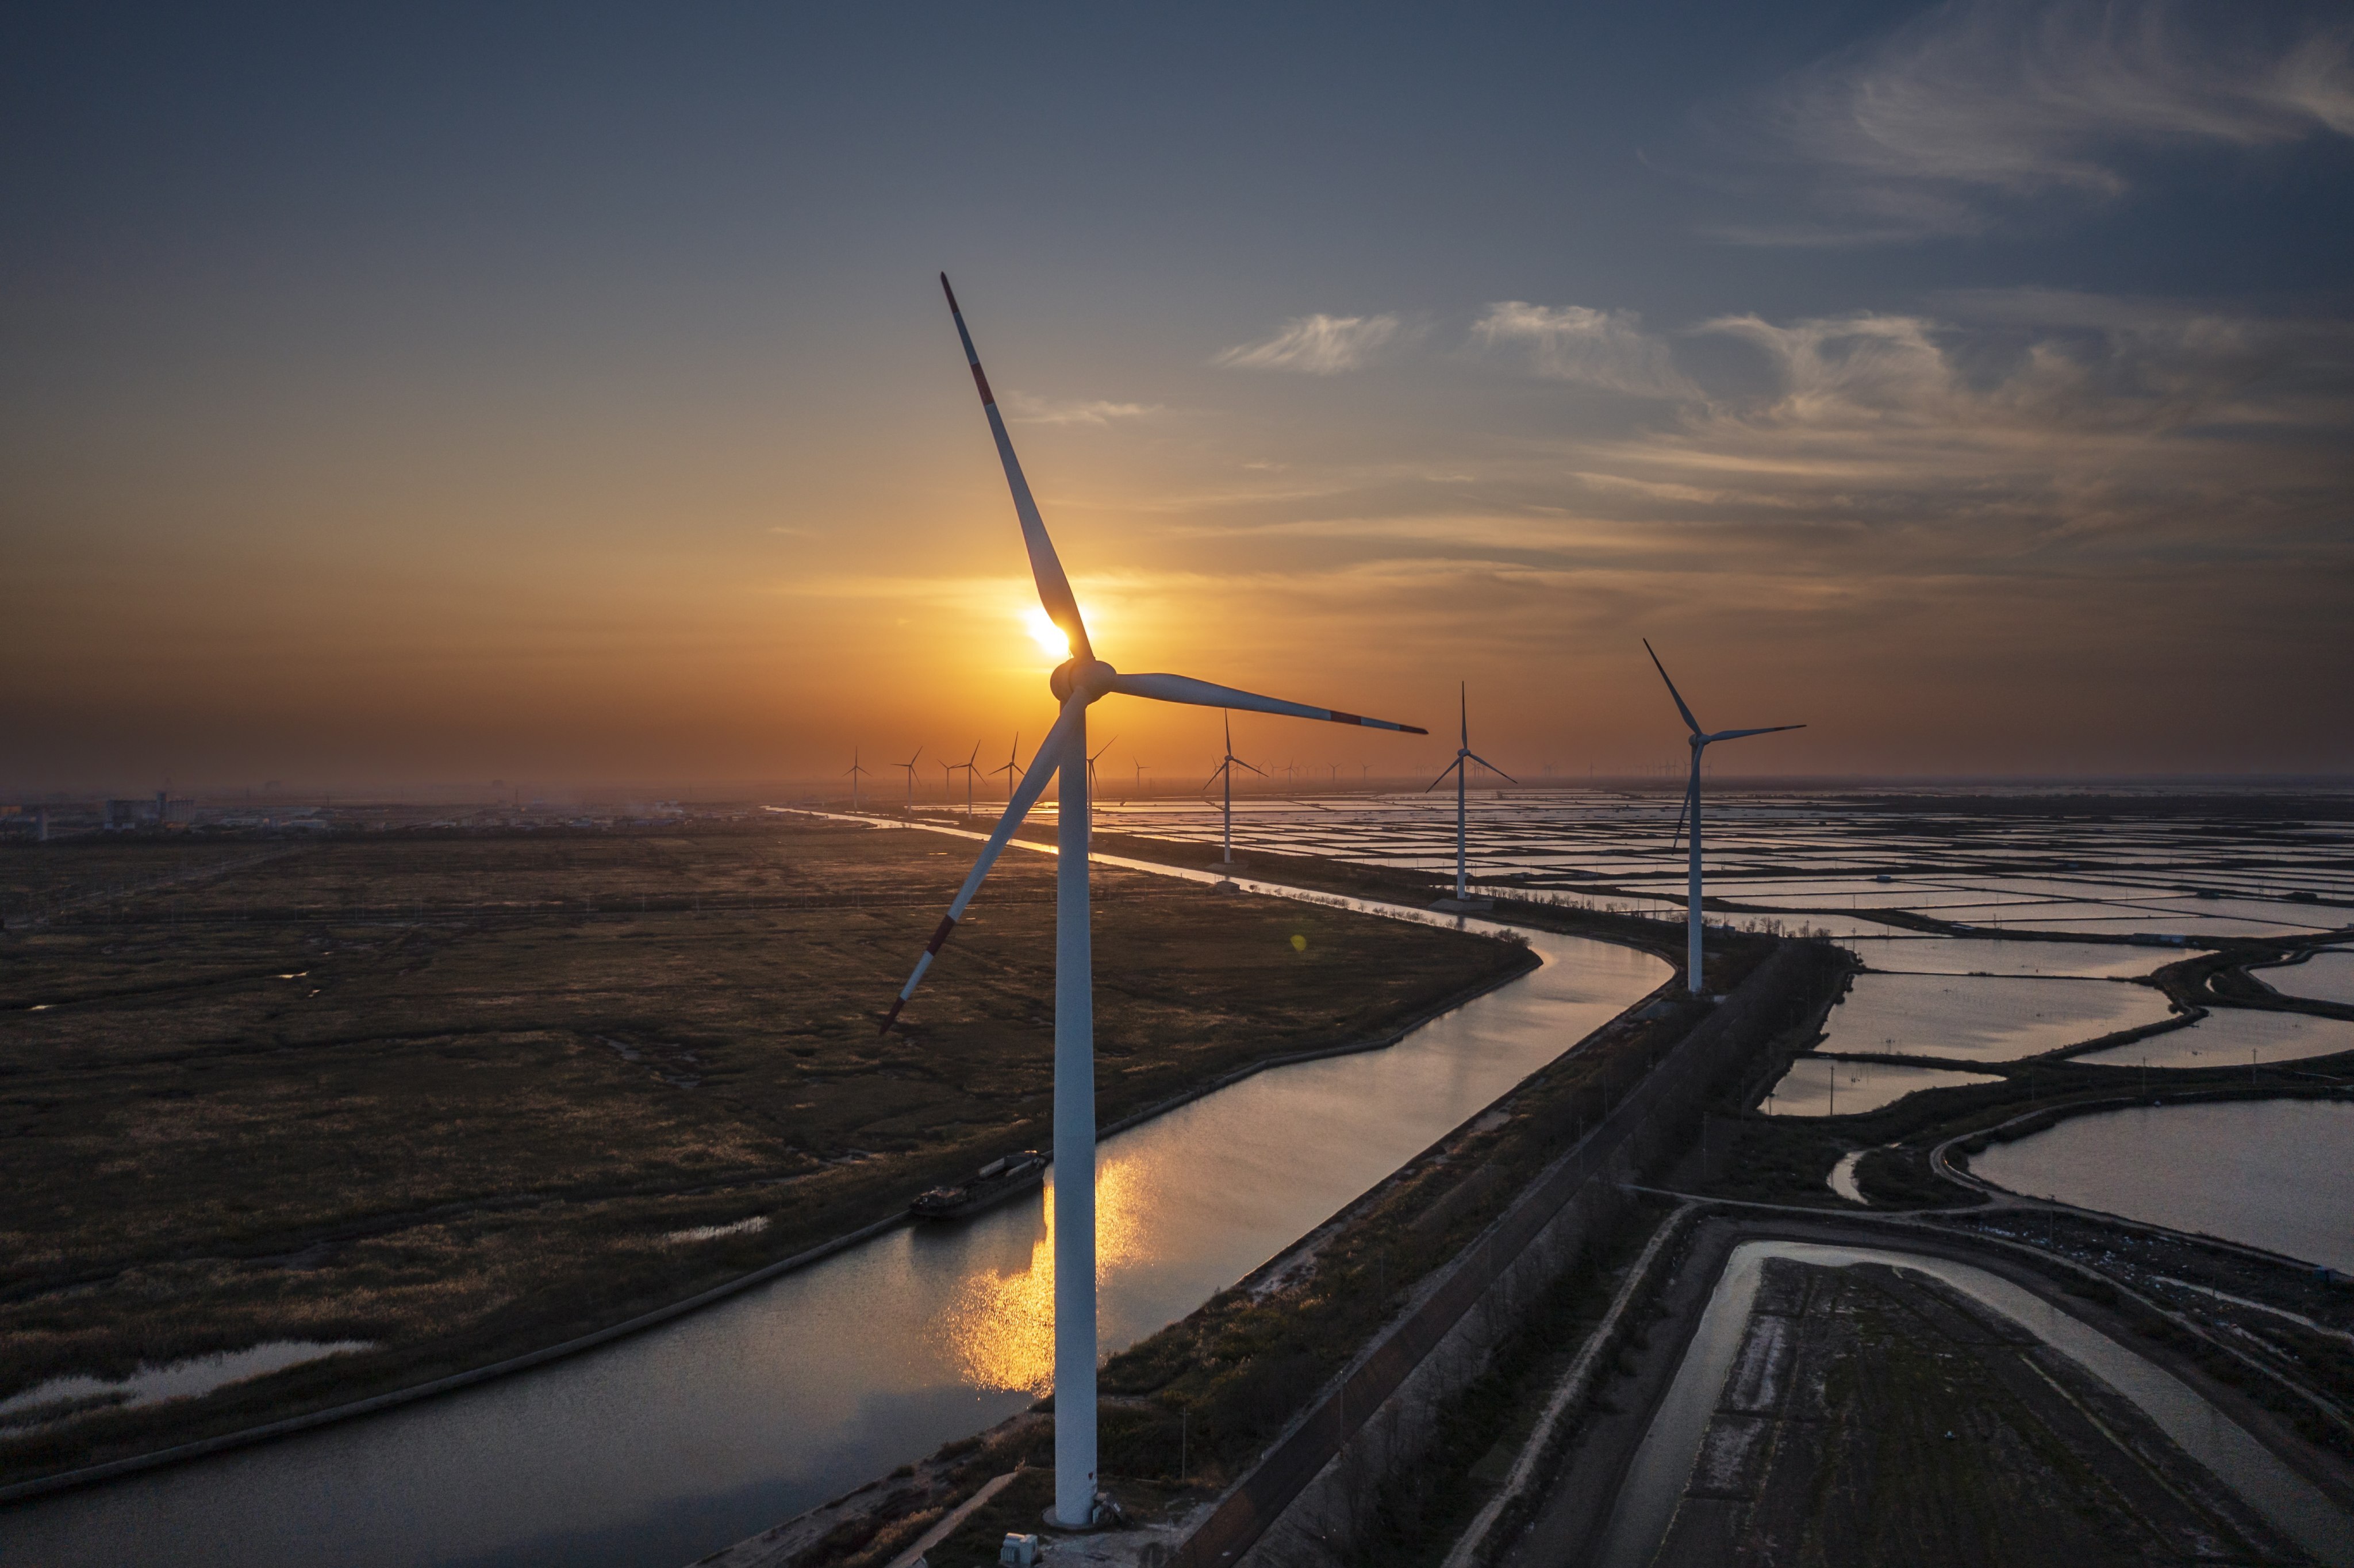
{"x": 1089, "y": 678}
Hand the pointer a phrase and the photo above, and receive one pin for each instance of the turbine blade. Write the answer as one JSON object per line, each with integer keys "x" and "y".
{"x": 1203, "y": 694}
{"x": 1025, "y": 795}
{"x": 1463, "y": 712}
{"x": 1442, "y": 777}
{"x": 1680, "y": 810}
{"x": 1046, "y": 567}
{"x": 1261, "y": 772}
{"x": 1690, "y": 722}
{"x": 1488, "y": 766}
{"x": 1737, "y": 734}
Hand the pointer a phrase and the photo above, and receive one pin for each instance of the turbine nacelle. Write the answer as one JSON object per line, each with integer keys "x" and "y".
{"x": 1082, "y": 676}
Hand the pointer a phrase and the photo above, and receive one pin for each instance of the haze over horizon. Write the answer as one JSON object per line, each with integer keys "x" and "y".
{"x": 568, "y": 396}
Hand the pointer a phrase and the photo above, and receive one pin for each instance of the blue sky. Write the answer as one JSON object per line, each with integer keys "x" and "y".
{"x": 564, "y": 393}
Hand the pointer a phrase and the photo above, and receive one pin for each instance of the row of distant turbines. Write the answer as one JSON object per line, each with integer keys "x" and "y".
{"x": 1079, "y": 684}
{"x": 1012, "y": 770}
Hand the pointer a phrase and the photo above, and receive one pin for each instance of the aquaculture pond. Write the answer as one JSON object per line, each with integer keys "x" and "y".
{"x": 2276, "y": 1174}
{"x": 1822, "y": 1085}
{"x": 2327, "y": 976}
{"x": 2001, "y": 1019}
{"x": 2232, "y": 1037}
{"x": 1994, "y": 956}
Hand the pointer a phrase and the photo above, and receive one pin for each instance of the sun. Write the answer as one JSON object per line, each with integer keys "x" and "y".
{"x": 1045, "y": 634}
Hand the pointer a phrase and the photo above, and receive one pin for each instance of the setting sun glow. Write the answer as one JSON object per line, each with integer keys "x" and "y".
{"x": 1047, "y": 635}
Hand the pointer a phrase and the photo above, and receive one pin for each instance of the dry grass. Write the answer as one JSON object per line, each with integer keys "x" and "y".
{"x": 508, "y": 1067}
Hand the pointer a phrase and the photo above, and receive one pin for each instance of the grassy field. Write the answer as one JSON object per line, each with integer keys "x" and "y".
{"x": 463, "y": 1097}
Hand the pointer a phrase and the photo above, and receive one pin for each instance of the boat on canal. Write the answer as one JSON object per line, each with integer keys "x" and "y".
{"x": 990, "y": 1185}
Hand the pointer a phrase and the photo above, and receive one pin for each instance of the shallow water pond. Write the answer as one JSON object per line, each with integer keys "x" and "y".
{"x": 2325, "y": 977}
{"x": 173, "y": 1379}
{"x": 1997, "y": 1018}
{"x": 2232, "y": 1037}
{"x": 1822, "y": 1085}
{"x": 2276, "y": 1174}
{"x": 1993, "y": 955}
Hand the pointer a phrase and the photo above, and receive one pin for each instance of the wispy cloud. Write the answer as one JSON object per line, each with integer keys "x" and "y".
{"x": 1938, "y": 126}
{"x": 1315, "y": 345}
{"x": 1573, "y": 343}
{"x": 1024, "y": 409}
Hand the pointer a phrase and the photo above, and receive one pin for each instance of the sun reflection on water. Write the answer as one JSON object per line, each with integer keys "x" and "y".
{"x": 1000, "y": 1327}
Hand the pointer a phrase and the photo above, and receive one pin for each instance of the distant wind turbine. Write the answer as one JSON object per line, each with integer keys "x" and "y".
{"x": 853, "y": 776}
{"x": 1140, "y": 776}
{"x": 910, "y": 766}
{"x": 1699, "y": 740}
{"x": 1082, "y": 681}
{"x": 968, "y": 771}
{"x": 1107, "y": 746}
{"x": 1226, "y": 771}
{"x": 1461, "y": 769}
{"x": 1012, "y": 769}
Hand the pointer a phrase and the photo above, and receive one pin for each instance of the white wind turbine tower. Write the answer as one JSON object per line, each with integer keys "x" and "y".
{"x": 1699, "y": 740}
{"x": 1084, "y": 679}
{"x": 1461, "y": 769}
{"x": 852, "y": 774}
{"x": 1226, "y": 771}
{"x": 910, "y": 766}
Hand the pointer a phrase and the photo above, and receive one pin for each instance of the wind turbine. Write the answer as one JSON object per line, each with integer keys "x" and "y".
{"x": 853, "y": 776}
{"x": 910, "y": 766}
{"x": 968, "y": 771}
{"x": 947, "y": 788}
{"x": 1461, "y": 769}
{"x": 1699, "y": 740}
{"x": 1140, "y": 776}
{"x": 1084, "y": 679}
{"x": 1107, "y": 746}
{"x": 1226, "y": 771}
{"x": 1012, "y": 769}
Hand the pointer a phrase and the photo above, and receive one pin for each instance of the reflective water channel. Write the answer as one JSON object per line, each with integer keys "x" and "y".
{"x": 672, "y": 1444}
{"x": 1656, "y": 1480}
{"x": 2276, "y": 1174}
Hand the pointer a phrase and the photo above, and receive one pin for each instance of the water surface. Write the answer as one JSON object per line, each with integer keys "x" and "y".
{"x": 2276, "y": 1174}
{"x": 2232, "y": 1037}
{"x": 2325, "y": 977}
{"x": 1918, "y": 955}
{"x": 2003, "y": 1019}
{"x": 1822, "y": 1085}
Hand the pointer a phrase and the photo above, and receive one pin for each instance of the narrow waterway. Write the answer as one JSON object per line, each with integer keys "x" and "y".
{"x": 1663, "y": 1462}
{"x": 2276, "y": 1174}
{"x": 665, "y": 1447}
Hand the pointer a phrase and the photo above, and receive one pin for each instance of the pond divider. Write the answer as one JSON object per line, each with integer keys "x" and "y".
{"x": 1304, "y": 1497}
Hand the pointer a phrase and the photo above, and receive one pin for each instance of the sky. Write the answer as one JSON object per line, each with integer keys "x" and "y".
{"x": 429, "y": 394}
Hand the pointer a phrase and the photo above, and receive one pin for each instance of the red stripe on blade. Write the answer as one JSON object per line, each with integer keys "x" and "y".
{"x": 950, "y": 292}
{"x": 947, "y": 924}
{"x": 980, "y": 379}
{"x": 893, "y": 1016}
{"x": 1337, "y": 716}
